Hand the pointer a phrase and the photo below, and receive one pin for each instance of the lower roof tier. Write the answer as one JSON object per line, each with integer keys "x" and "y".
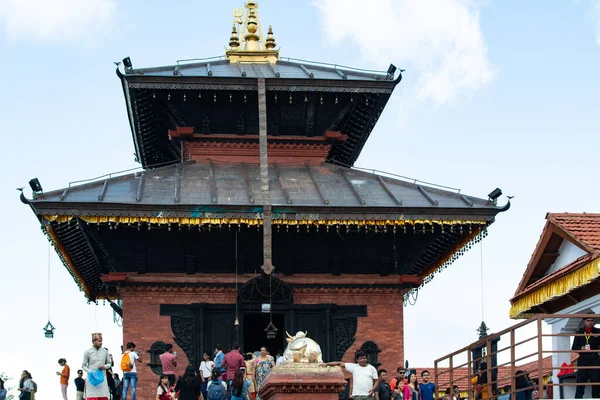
{"x": 206, "y": 218}
{"x": 192, "y": 189}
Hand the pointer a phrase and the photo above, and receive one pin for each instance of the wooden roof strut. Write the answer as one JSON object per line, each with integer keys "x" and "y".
{"x": 213, "y": 181}
{"x": 286, "y": 193}
{"x": 314, "y": 180}
{"x": 352, "y": 187}
{"x": 388, "y": 191}
{"x": 247, "y": 183}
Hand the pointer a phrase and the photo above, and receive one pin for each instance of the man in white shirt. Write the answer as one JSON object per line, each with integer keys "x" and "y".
{"x": 96, "y": 358}
{"x": 364, "y": 376}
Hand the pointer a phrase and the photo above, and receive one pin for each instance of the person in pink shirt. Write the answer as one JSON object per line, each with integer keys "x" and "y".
{"x": 234, "y": 360}
{"x": 168, "y": 359}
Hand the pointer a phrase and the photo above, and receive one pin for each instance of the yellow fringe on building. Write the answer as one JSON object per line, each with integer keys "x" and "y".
{"x": 560, "y": 287}
{"x": 254, "y": 221}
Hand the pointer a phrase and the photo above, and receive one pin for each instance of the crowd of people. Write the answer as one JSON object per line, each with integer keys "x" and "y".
{"x": 238, "y": 376}
{"x": 369, "y": 383}
{"x": 230, "y": 375}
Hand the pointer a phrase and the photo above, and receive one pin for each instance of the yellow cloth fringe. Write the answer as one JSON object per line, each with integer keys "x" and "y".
{"x": 560, "y": 287}
{"x": 254, "y": 221}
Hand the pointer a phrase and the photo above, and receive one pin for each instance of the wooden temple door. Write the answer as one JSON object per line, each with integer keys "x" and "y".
{"x": 218, "y": 329}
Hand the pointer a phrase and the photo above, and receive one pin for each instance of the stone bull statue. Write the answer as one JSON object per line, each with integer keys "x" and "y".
{"x": 301, "y": 349}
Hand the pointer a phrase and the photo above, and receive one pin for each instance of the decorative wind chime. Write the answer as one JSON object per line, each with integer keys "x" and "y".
{"x": 49, "y": 328}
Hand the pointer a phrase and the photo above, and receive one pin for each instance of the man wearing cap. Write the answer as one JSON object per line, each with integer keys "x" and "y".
{"x": 95, "y": 362}
{"x": 588, "y": 341}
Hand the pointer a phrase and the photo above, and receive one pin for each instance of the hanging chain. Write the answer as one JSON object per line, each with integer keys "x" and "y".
{"x": 49, "y": 253}
{"x": 481, "y": 267}
{"x": 270, "y": 301}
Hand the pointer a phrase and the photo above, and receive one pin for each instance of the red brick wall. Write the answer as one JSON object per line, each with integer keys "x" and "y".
{"x": 384, "y": 323}
{"x": 143, "y": 325}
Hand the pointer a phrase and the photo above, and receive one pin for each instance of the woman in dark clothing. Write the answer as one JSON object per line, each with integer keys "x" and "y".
{"x": 521, "y": 382}
{"x": 188, "y": 385}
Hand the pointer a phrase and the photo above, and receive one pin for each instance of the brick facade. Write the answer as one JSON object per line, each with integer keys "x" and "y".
{"x": 143, "y": 324}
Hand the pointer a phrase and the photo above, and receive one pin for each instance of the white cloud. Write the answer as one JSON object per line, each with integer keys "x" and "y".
{"x": 439, "y": 40}
{"x": 73, "y": 21}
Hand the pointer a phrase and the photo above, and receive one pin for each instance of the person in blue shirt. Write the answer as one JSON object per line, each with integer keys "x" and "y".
{"x": 219, "y": 356}
{"x": 426, "y": 387}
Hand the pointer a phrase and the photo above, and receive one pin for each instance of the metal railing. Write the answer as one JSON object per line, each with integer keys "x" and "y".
{"x": 527, "y": 352}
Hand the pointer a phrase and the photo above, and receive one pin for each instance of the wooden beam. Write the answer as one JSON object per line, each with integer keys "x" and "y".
{"x": 388, "y": 191}
{"x": 177, "y": 183}
{"x": 317, "y": 186}
{"x": 140, "y": 189}
{"x": 103, "y": 191}
{"x": 267, "y": 266}
{"x": 286, "y": 193}
{"x": 247, "y": 183}
{"x": 354, "y": 191}
{"x": 88, "y": 241}
{"x": 427, "y": 195}
{"x": 213, "y": 182}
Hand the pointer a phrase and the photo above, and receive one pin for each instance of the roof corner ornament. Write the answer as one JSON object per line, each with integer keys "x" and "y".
{"x": 250, "y": 45}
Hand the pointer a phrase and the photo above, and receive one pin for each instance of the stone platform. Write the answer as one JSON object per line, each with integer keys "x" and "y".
{"x": 302, "y": 381}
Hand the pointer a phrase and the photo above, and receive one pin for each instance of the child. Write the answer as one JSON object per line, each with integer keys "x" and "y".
{"x": 163, "y": 391}
{"x": 402, "y": 391}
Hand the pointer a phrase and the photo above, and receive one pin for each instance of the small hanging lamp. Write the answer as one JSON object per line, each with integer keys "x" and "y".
{"x": 49, "y": 328}
{"x": 271, "y": 330}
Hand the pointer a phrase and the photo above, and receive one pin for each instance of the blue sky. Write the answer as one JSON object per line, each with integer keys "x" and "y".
{"x": 495, "y": 93}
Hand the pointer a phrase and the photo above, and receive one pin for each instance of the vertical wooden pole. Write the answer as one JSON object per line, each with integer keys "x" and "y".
{"x": 264, "y": 178}
{"x": 513, "y": 385}
{"x": 488, "y": 361}
{"x": 435, "y": 380}
{"x": 540, "y": 357}
{"x": 469, "y": 374}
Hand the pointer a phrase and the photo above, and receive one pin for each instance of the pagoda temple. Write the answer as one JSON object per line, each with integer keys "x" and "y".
{"x": 247, "y": 219}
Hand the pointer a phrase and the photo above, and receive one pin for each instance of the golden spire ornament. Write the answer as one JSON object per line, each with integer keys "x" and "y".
{"x": 247, "y": 43}
{"x": 270, "y": 44}
{"x": 234, "y": 40}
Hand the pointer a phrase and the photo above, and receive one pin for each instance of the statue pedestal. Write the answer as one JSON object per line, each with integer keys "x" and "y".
{"x": 299, "y": 381}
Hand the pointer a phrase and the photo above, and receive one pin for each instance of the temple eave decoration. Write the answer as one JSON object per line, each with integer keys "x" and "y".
{"x": 522, "y": 305}
{"x": 97, "y": 285}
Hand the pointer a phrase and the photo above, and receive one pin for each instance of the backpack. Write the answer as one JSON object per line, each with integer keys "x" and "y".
{"x": 216, "y": 391}
{"x": 34, "y": 386}
{"x": 126, "y": 365}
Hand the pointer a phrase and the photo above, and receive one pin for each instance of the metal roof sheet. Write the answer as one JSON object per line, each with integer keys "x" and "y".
{"x": 326, "y": 185}
{"x": 284, "y": 69}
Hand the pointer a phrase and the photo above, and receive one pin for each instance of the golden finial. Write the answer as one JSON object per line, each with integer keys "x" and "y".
{"x": 247, "y": 43}
{"x": 234, "y": 40}
{"x": 252, "y": 39}
{"x": 270, "y": 44}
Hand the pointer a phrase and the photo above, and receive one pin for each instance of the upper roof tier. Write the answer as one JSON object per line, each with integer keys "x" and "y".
{"x": 219, "y": 96}
{"x": 287, "y": 68}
